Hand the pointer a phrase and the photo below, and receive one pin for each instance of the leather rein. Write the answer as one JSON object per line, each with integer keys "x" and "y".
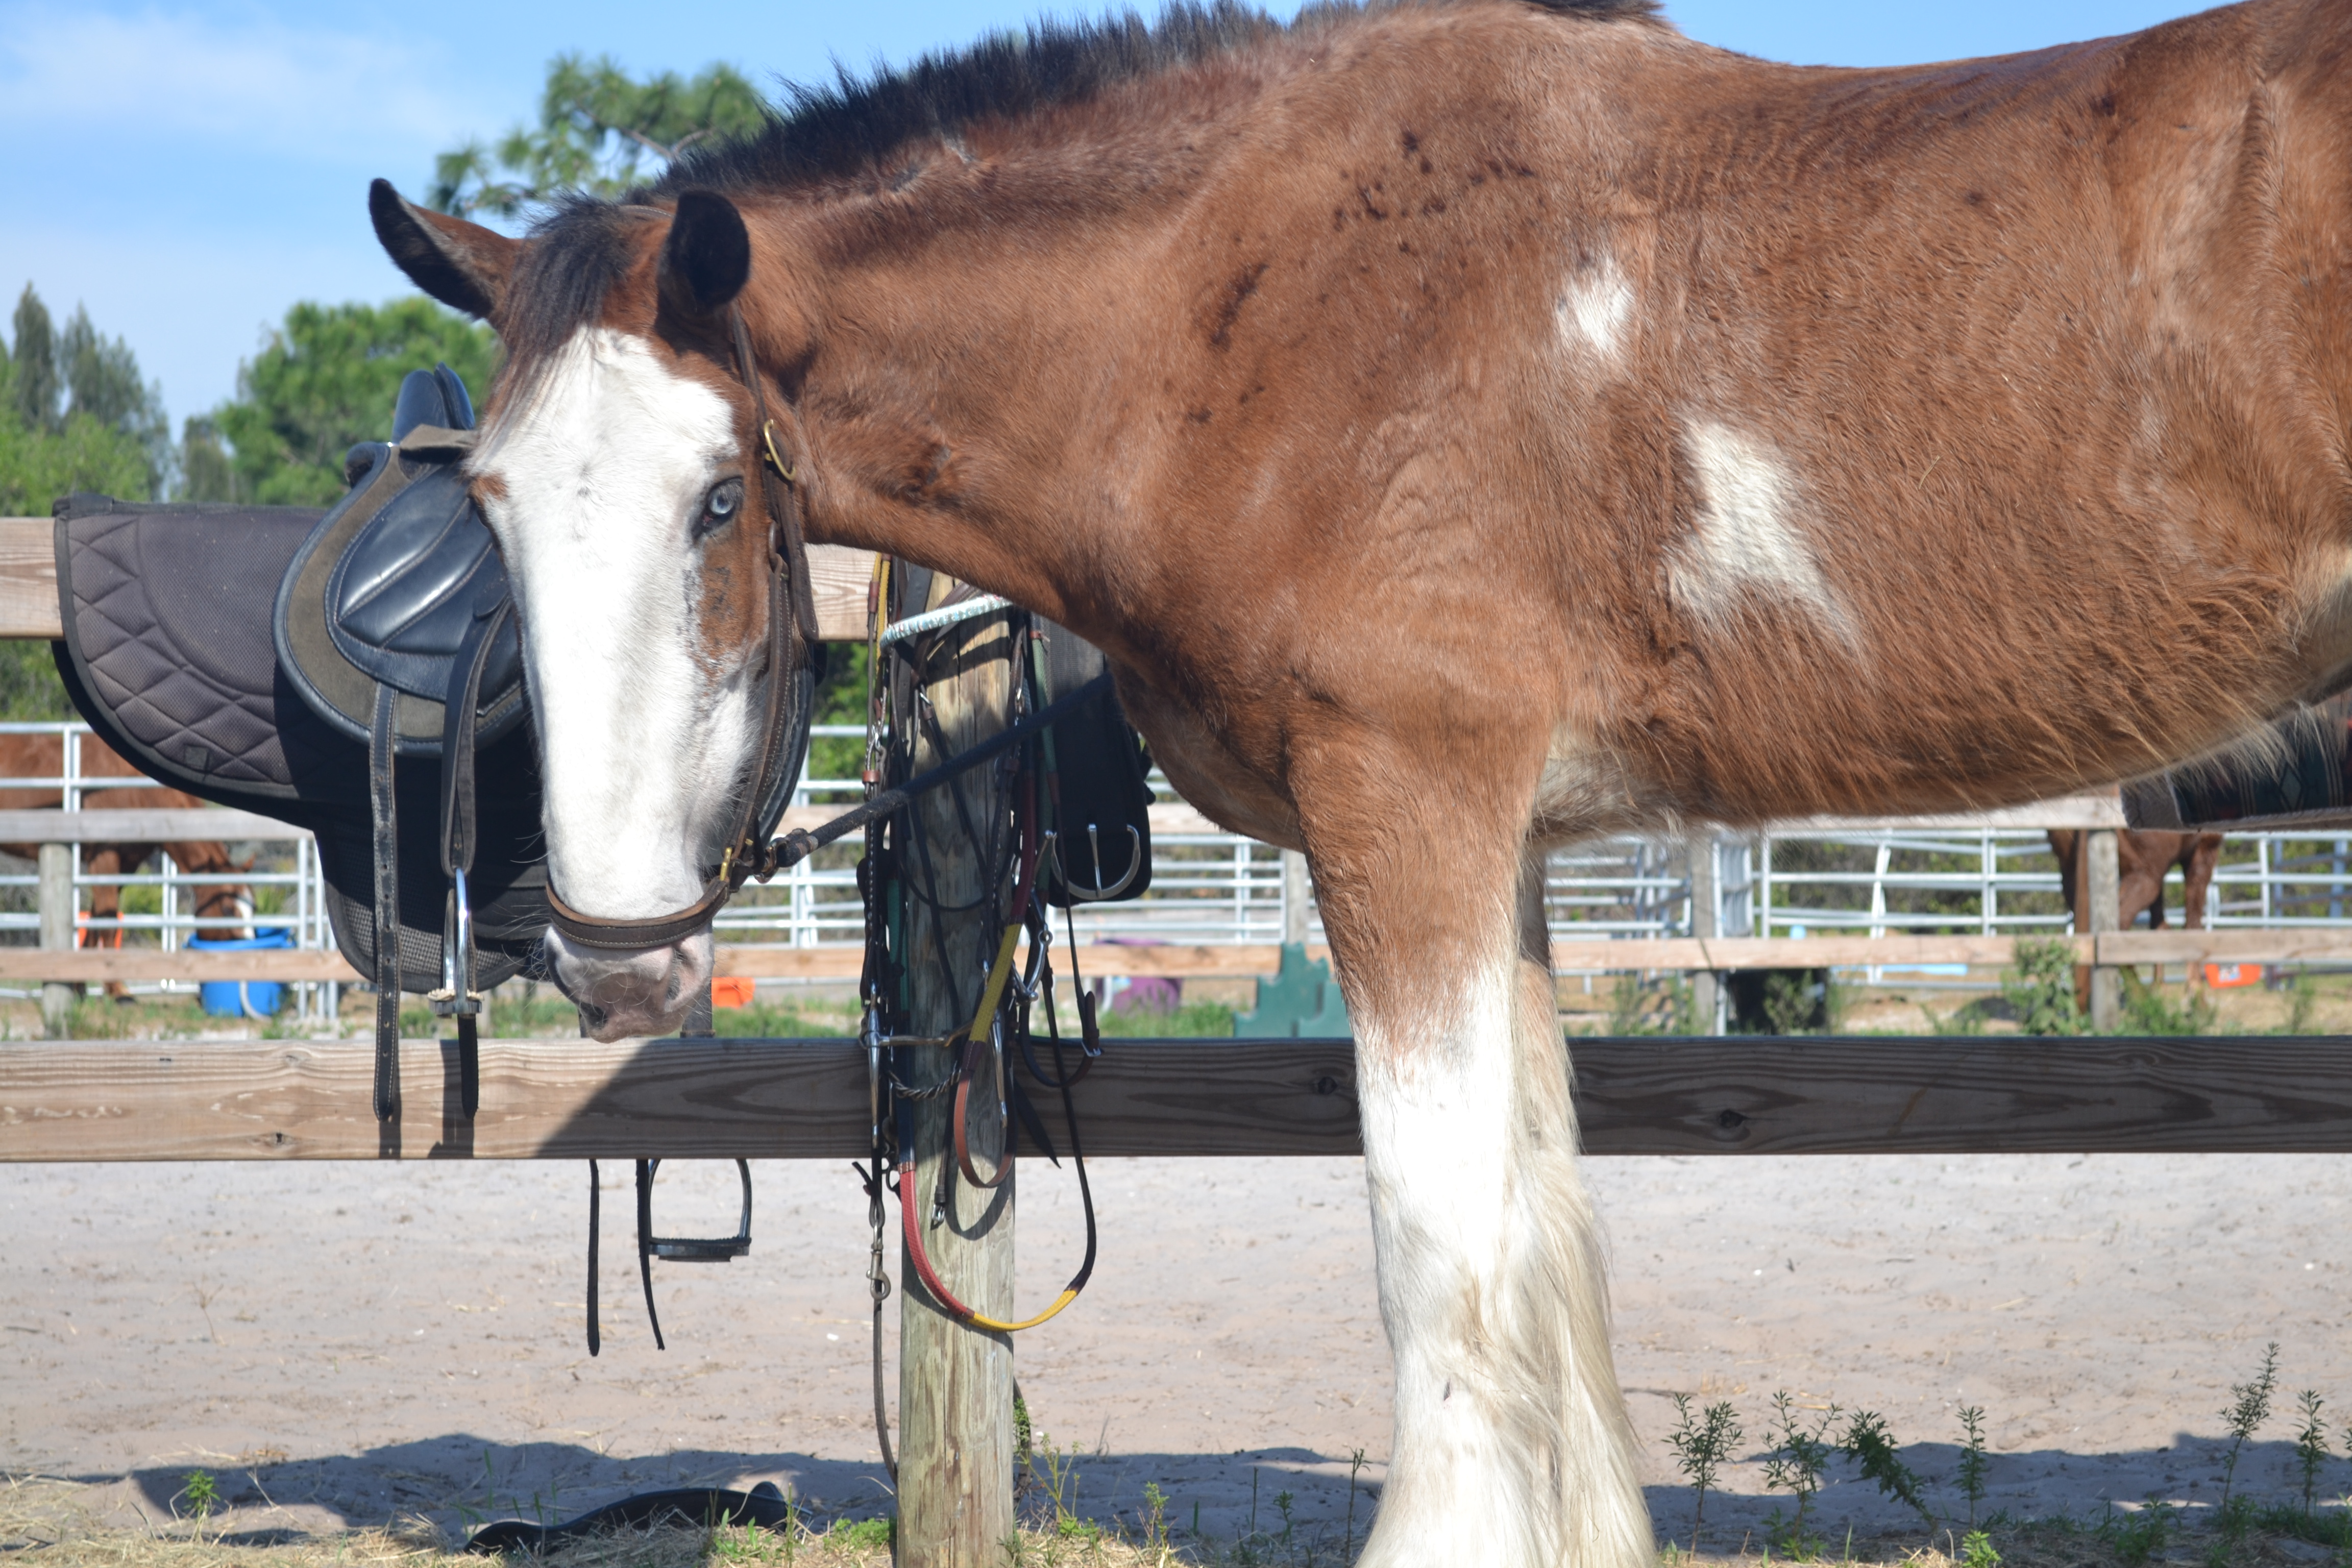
{"x": 747, "y": 853}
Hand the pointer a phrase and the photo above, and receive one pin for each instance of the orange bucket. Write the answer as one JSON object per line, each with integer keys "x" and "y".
{"x": 2223, "y": 975}
{"x": 730, "y": 991}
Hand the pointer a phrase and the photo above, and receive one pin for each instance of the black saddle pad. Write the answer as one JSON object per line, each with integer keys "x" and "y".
{"x": 169, "y": 654}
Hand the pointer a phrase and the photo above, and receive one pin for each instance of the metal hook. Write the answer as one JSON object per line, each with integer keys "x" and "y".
{"x": 1100, "y": 893}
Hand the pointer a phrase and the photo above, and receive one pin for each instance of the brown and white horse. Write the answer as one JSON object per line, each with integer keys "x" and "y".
{"x": 1465, "y": 426}
{"x": 43, "y": 756}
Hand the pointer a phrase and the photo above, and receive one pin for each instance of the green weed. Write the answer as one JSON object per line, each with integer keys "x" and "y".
{"x": 2147, "y": 1011}
{"x": 1967, "y": 1018}
{"x": 1355, "y": 1468}
{"x": 1191, "y": 1020}
{"x": 2302, "y": 1001}
{"x": 2311, "y": 1451}
{"x": 1666, "y": 1005}
{"x": 770, "y": 1021}
{"x": 1976, "y": 1550}
{"x": 863, "y": 1532}
{"x": 2249, "y": 1409}
{"x": 1872, "y": 1449}
{"x": 2139, "y": 1535}
{"x": 1700, "y": 1448}
{"x": 1971, "y": 1475}
{"x": 2039, "y": 987}
{"x": 201, "y": 1492}
{"x": 1796, "y": 1464}
{"x": 1796, "y": 1003}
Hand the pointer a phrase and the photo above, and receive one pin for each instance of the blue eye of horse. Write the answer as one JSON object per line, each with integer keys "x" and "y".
{"x": 719, "y": 506}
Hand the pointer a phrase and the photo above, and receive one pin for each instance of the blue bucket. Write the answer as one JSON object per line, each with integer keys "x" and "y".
{"x": 243, "y": 998}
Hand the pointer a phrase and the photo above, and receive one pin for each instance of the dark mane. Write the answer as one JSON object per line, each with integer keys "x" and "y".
{"x": 850, "y": 127}
{"x": 846, "y": 128}
{"x": 577, "y": 253}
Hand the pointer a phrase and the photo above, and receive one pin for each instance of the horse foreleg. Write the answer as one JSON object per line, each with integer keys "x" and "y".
{"x": 1512, "y": 1448}
{"x": 2196, "y": 876}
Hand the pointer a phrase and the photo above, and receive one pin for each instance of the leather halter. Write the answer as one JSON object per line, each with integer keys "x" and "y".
{"x": 747, "y": 853}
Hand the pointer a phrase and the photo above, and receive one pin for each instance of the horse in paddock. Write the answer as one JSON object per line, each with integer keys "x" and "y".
{"x": 1465, "y": 426}
{"x": 43, "y": 756}
{"x": 2142, "y": 861}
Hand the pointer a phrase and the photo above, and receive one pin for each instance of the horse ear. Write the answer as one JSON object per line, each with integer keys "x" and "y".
{"x": 461, "y": 264}
{"x": 706, "y": 259}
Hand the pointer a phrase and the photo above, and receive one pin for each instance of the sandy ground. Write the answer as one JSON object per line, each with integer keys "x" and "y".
{"x": 346, "y": 1344}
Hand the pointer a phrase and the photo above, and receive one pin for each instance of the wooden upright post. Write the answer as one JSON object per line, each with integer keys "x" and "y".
{"x": 1706, "y": 985}
{"x": 1298, "y": 897}
{"x": 955, "y": 1384}
{"x": 2102, "y": 880}
{"x": 57, "y": 902}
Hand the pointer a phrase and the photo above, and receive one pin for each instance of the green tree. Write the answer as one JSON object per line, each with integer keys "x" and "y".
{"x": 325, "y": 380}
{"x": 599, "y": 132}
{"x": 102, "y": 384}
{"x": 33, "y": 363}
{"x": 95, "y": 427}
{"x": 206, "y": 473}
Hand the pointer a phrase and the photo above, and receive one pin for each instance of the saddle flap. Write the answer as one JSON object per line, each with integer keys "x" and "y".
{"x": 402, "y": 597}
{"x": 386, "y": 586}
{"x": 160, "y": 608}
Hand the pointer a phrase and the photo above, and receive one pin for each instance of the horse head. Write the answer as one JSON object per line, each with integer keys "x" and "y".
{"x": 620, "y": 468}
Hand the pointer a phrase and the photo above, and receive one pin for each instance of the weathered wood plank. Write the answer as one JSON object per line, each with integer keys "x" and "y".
{"x": 781, "y": 1100}
{"x": 2090, "y": 809}
{"x": 141, "y": 826}
{"x": 2276, "y": 945}
{"x": 1989, "y": 1095}
{"x": 28, "y": 578}
{"x": 1245, "y": 961}
{"x": 91, "y": 965}
{"x": 28, "y": 583}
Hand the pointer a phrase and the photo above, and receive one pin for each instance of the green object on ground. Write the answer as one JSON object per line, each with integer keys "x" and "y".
{"x": 1301, "y": 1002}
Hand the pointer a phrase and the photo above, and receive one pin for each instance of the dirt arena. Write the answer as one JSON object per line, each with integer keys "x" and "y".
{"x": 344, "y": 1344}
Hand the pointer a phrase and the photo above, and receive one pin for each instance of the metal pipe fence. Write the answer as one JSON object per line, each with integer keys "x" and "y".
{"x": 1216, "y": 889}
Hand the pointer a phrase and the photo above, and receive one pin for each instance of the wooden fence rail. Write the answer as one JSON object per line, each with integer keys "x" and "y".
{"x": 1249, "y": 961}
{"x": 309, "y": 1099}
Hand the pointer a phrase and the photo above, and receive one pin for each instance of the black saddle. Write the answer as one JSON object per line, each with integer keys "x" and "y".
{"x": 338, "y": 671}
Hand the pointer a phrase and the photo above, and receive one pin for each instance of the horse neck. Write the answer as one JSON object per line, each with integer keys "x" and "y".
{"x": 961, "y": 400}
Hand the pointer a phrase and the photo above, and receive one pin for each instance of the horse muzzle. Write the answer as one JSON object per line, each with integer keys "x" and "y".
{"x": 641, "y": 993}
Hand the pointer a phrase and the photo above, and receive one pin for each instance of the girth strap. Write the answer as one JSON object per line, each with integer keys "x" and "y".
{"x": 384, "y": 814}
{"x": 457, "y": 837}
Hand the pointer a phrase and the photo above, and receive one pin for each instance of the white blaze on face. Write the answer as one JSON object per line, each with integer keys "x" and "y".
{"x": 1749, "y": 539}
{"x": 604, "y": 474}
{"x": 1594, "y": 307}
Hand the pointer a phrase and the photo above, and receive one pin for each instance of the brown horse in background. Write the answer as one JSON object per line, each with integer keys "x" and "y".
{"x": 2143, "y": 860}
{"x": 1464, "y": 428}
{"x": 43, "y": 756}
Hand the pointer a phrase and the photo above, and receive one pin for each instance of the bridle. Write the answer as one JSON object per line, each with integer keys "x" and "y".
{"x": 749, "y": 852}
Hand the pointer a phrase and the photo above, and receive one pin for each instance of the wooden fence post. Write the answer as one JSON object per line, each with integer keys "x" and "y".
{"x": 2102, "y": 878}
{"x": 1706, "y": 985}
{"x": 955, "y": 1384}
{"x": 1298, "y": 897}
{"x": 56, "y": 904}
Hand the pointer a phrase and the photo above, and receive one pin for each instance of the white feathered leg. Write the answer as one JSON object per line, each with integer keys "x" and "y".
{"x": 1512, "y": 1447}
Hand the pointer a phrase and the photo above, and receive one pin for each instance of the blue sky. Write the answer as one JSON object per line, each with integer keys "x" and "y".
{"x": 190, "y": 168}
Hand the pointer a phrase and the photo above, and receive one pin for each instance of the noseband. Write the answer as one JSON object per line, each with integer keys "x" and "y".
{"x": 748, "y": 852}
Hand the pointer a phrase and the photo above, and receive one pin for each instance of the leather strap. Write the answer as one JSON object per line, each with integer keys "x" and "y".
{"x": 595, "y": 1220}
{"x": 645, "y": 1244}
{"x": 799, "y": 844}
{"x": 469, "y": 1057}
{"x": 384, "y": 812}
{"x": 457, "y": 837}
{"x": 458, "y": 723}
